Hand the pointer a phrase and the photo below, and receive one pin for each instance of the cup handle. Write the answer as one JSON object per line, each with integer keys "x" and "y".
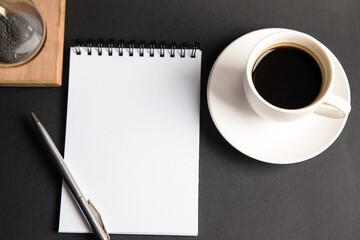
{"x": 334, "y": 107}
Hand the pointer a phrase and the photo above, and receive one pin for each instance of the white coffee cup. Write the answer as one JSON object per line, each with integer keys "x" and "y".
{"x": 326, "y": 103}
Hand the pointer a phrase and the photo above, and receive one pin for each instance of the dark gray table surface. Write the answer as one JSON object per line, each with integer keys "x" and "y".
{"x": 240, "y": 198}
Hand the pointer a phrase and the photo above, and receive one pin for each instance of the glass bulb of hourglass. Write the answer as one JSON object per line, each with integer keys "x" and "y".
{"x": 22, "y": 31}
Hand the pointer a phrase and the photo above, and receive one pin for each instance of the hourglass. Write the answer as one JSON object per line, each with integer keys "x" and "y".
{"x": 22, "y": 32}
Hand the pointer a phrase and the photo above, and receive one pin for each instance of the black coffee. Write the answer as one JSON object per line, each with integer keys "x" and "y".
{"x": 288, "y": 77}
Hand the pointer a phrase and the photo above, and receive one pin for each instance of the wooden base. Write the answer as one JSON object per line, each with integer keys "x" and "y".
{"x": 45, "y": 69}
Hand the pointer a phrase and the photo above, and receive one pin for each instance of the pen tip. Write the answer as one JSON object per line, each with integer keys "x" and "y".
{"x": 34, "y": 117}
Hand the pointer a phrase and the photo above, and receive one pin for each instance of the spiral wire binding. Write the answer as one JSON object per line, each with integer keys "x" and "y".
{"x": 182, "y": 50}
{"x": 119, "y": 46}
{"x": 77, "y": 47}
{"x": 89, "y": 46}
{"x": 152, "y": 48}
{"x": 142, "y": 48}
{"x": 131, "y": 48}
{"x": 162, "y": 48}
{"x": 193, "y": 51}
{"x": 172, "y": 49}
{"x": 110, "y": 47}
{"x": 100, "y": 45}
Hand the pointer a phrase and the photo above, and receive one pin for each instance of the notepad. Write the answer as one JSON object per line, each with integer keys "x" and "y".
{"x": 132, "y": 139}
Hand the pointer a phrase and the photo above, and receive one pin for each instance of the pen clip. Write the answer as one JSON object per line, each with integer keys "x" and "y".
{"x": 98, "y": 218}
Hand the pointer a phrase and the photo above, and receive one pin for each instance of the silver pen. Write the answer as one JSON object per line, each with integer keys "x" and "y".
{"x": 91, "y": 214}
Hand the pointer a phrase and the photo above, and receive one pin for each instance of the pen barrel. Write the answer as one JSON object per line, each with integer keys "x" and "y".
{"x": 59, "y": 161}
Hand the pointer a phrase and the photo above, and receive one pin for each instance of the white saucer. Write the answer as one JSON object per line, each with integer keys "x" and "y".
{"x": 260, "y": 139}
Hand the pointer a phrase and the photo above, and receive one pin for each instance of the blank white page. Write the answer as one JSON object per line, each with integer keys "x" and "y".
{"x": 132, "y": 141}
